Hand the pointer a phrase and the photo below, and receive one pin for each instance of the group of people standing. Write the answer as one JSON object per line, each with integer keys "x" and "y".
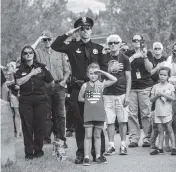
{"x": 107, "y": 83}
{"x": 127, "y": 99}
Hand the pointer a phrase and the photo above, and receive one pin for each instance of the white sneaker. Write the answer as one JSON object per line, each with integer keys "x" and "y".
{"x": 111, "y": 151}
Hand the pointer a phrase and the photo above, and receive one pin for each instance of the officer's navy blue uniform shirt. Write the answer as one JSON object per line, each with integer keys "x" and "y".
{"x": 35, "y": 85}
{"x": 77, "y": 55}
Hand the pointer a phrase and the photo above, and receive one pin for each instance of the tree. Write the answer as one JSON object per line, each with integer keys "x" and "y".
{"x": 23, "y": 24}
{"x": 154, "y": 19}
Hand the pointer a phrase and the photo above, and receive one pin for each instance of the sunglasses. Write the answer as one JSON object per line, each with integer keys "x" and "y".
{"x": 136, "y": 40}
{"x": 46, "y": 39}
{"x": 116, "y": 43}
{"x": 157, "y": 48}
{"x": 85, "y": 28}
{"x": 26, "y": 53}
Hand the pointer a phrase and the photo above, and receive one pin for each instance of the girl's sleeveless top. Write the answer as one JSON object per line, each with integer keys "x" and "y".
{"x": 94, "y": 105}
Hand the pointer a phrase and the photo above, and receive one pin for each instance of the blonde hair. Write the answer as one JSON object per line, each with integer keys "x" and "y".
{"x": 93, "y": 66}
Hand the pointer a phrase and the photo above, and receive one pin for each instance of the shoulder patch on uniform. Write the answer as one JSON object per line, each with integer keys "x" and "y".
{"x": 95, "y": 51}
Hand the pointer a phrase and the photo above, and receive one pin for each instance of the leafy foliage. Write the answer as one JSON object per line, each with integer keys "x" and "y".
{"x": 154, "y": 19}
{"x": 23, "y": 23}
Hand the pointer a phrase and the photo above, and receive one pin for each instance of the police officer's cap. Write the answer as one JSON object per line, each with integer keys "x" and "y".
{"x": 84, "y": 21}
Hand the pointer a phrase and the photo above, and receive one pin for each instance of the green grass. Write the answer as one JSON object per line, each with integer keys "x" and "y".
{"x": 47, "y": 163}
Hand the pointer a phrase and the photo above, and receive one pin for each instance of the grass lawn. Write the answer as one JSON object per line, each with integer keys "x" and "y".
{"x": 48, "y": 163}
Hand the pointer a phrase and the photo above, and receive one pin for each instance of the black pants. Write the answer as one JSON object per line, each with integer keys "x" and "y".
{"x": 80, "y": 131}
{"x": 33, "y": 111}
{"x": 70, "y": 114}
{"x": 56, "y": 117}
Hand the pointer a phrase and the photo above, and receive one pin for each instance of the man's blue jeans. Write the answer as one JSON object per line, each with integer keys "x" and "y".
{"x": 56, "y": 97}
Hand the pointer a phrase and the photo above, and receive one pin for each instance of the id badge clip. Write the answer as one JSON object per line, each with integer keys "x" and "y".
{"x": 138, "y": 75}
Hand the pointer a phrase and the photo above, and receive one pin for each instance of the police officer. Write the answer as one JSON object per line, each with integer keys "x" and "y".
{"x": 33, "y": 104}
{"x": 80, "y": 53}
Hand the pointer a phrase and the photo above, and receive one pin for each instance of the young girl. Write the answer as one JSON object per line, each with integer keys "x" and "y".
{"x": 163, "y": 95}
{"x": 91, "y": 94}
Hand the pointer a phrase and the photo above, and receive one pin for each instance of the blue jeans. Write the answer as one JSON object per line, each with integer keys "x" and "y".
{"x": 56, "y": 117}
{"x": 139, "y": 99}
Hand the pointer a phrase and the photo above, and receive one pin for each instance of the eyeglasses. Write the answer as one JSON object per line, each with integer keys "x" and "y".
{"x": 29, "y": 52}
{"x": 85, "y": 28}
{"x": 46, "y": 39}
{"x": 136, "y": 40}
{"x": 116, "y": 43}
{"x": 157, "y": 48}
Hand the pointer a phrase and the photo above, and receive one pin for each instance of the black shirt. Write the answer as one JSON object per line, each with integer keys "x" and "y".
{"x": 155, "y": 76}
{"x": 3, "y": 79}
{"x": 77, "y": 55}
{"x": 35, "y": 85}
{"x": 119, "y": 87}
{"x": 141, "y": 78}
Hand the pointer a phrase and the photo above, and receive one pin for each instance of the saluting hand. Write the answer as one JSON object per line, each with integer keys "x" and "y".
{"x": 72, "y": 31}
{"x": 36, "y": 71}
{"x": 41, "y": 38}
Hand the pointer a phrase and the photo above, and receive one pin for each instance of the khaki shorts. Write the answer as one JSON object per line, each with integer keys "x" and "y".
{"x": 163, "y": 119}
{"x": 114, "y": 107}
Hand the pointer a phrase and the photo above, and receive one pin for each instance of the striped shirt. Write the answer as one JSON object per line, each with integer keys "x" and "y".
{"x": 93, "y": 97}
